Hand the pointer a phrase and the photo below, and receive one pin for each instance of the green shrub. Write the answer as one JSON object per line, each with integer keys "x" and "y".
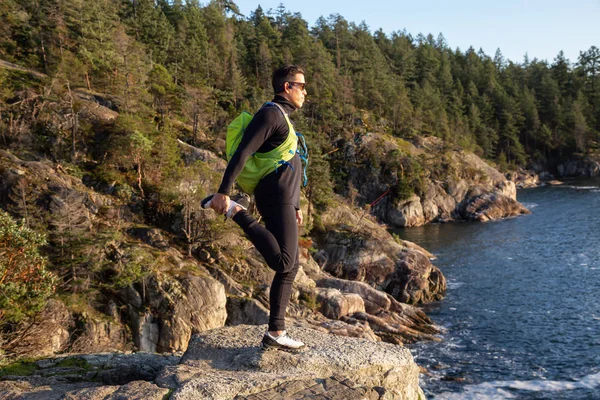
{"x": 25, "y": 284}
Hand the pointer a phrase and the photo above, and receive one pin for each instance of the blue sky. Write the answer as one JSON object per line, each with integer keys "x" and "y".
{"x": 539, "y": 28}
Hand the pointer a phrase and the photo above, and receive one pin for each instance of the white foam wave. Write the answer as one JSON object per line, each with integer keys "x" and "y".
{"x": 530, "y": 205}
{"x": 454, "y": 285}
{"x": 582, "y": 187}
{"x": 495, "y": 390}
{"x": 477, "y": 392}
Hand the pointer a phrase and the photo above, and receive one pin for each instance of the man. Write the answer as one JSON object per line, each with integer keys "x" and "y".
{"x": 277, "y": 198}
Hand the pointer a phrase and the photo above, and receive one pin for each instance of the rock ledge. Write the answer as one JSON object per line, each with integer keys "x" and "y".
{"x": 227, "y": 363}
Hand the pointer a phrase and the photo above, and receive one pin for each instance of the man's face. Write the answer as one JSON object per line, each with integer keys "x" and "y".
{"x": 295, "y": 90}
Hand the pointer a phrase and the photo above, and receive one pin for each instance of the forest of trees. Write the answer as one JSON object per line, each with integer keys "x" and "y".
{"x": 202, "y": 64}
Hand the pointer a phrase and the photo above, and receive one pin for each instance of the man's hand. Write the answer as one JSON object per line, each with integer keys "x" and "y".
{"x": 299, "y": 217}
{"x": 220, "y": 203}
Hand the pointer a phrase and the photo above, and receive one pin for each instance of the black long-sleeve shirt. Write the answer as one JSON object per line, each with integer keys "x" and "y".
{"x": 267, "y": 130}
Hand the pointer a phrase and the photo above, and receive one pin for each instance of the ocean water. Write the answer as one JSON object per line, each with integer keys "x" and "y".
{"x": 521, "y": 317}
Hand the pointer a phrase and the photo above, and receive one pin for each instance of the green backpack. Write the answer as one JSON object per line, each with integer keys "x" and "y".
{"x": 259, "y": 165}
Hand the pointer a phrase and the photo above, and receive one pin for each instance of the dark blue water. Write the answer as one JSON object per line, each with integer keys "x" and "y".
{"x": 522, "y": 311}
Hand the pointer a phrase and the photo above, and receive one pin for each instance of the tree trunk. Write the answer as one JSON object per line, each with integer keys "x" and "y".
{"x": 74, "y": 124}
{"x": 195, "y": 128}
{"x": 43, "y": 50}
{"x": 139, "y": 178}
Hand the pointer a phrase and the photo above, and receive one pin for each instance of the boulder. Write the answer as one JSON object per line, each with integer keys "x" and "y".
{"x": 48, "y": 334}
{"x": 192, "y": 154}
{"x": 335, "y": 304}
{"x": 370, "y": 295}
{"x": 369, "y": 253}
{"x": 406, "y": 213}
{"x": 347, "y": 326}
{"x": 491, "y": 207}
{"x": 91, "y": 393}
{"x": 246, "y": 311}
{"x": 414, "y": 279}
{"x": 228, "y": 362}
{"x": 99, "y": 335}
{"x": 177, "y": 307}
{"x": 132, "y": 390}
{"x": 389, "y": 319}
{"x": 524, "y": 179}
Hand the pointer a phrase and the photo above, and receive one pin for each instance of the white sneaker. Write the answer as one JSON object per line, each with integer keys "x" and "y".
{"x": 281, "y": 342}
{"x": 232, "y": 204}
{"x": 237, "y": 200}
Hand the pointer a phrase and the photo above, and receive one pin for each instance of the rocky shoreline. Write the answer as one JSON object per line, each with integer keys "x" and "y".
{"x": 227, "y": 363}
{"x": 578, "y": 168}
{"x": 358, "y": 282}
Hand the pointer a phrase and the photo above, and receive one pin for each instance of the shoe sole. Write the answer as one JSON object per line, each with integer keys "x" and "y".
{"x": 206, "y": 200}
{"x": 266, "y": 347}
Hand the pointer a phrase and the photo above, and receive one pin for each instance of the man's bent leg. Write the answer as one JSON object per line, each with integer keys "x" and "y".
{"x": 278, "y": 244}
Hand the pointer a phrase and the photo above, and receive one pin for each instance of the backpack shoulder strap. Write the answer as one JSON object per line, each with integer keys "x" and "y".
{"x": 271, "y": 103}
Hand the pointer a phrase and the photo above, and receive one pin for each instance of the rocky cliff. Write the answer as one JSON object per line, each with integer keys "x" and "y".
{"x": 587, "y": 166}
{"x": 425, "y": 181}
{"x": 138, "y": 290}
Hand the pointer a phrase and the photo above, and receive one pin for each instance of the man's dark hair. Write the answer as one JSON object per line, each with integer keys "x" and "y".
{"x": 283, "y": 75}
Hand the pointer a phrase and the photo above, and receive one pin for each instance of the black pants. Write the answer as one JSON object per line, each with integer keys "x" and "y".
{"x": 277, "y": 242}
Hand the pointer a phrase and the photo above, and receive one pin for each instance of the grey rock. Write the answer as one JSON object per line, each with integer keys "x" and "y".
{"x": 350, "y": 327}
{"x": 192, "y": 154}
{"x": 367, "y": 252}
{"x": 366, "y": 292}
{"x": 79, "y": 377}
{"x": 91, "y": 393}
{"x": 139, "y": 390}
{"x": 582, "y": 167}
{"x": 184, "y": 305}
{"x": 465, "y": 176}
{"x": 99, "y": 336}
{"x": 54, "y": 391}
{"x": 246, "y": 311}
{"x": 391, "y": 320}
{"x": 145, "y": 330}
{"x": 491, "y": 207}
{"x": 333, "y": 388}
{"x": 407, "y": 213}
{"x": 231, "y": 286}
{"x": 151, "y": 236}
{"x": 128, "y": 295}
{"x": 335, "y": 304}
{"x": 227, "y": 362}
{"x": 50, "y": 335}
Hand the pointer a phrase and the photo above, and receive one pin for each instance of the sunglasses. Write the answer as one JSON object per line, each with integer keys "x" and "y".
{"x": 301, "y": 85}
